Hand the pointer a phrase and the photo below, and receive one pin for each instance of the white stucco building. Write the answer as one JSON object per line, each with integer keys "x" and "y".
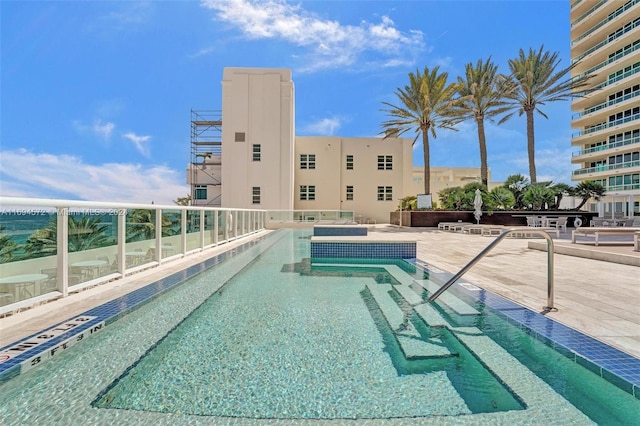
{"x": 254, "y": 159}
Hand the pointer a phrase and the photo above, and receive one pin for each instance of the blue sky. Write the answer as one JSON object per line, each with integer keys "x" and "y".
{"x": 96, "y": 95}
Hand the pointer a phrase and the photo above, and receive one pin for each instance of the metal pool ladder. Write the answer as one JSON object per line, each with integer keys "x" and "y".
{"x": 503, "y": 235}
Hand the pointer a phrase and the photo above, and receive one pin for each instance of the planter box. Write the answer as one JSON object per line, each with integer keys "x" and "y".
{"x": 431, "y": 218}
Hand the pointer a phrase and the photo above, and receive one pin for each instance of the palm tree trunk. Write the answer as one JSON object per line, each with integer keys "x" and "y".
{"x": 484, "y": 173}
{"x": 427, "y": 165}
{"x": 531, "y": 146}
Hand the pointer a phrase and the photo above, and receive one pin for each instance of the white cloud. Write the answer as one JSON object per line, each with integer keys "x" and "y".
{"x": 323, "y": 127}
{"x": 68, "y": 177}
{"x": 330, "y": 43}
{"x": 103, "y": 130}
{"x": 140, "y": 142}
{"x": 98, "y": 128}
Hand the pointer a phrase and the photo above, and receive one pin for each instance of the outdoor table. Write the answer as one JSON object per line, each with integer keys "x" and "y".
{"x": 134, "y": 257}
{"x": 20, "y": 283}
{"x": 90, "y": 266}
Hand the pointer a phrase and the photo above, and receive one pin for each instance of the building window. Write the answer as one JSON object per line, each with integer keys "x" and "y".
{"x": 240, "y": 137}
{"x": 256, "y": 152}
{"x": 385, "y": 162}
{"x": 255, "y": 195}
{"x": 307, "y": 161}
{"x": 349, "y": 162}
{"x": 200, "y": 192}
{"x": 385, "y": 193}
{"x": 349, "y": 193}
{"x": 307, "y": 192}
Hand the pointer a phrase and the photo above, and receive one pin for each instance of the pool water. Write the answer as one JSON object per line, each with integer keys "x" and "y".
{"x": 267, "y": 335}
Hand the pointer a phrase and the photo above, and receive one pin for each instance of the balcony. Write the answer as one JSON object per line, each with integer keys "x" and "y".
{"x": 605, "y": 105}
{"x": 603, "y": 90}
{"x": 605, "y": 168}
{"x": 628, "y": 50}
{"x": 602, "y": 23}
{"x": 605, "y": 149}
{"x": 605, "y": 126}
{"x": 607, "y": 41}
{"x": 626, "y": 187}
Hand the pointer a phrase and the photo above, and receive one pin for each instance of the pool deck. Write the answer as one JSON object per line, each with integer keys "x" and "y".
{"x": 600, "y": 298}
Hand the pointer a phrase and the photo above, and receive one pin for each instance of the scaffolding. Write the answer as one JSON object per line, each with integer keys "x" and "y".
{"x": 204, "y": 175}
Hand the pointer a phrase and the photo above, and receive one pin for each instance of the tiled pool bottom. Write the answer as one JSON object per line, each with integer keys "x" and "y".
{"x": 60, "y": 396}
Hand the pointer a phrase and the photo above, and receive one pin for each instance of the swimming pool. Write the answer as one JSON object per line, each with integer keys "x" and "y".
{"x": 267, "y": 335}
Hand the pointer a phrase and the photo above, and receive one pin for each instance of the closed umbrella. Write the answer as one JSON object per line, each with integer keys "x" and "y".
{"x": 477, "y": 205}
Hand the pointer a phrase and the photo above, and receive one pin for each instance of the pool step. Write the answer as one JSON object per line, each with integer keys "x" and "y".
{"x": 408, "y": 294}
{"x": 458, "y": 306}
{"x": 406, "y": 335}
{"x": 388, "y": 306}
{"x": 419, "y": 349}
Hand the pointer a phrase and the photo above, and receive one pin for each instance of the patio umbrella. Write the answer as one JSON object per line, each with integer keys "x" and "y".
{"x": 477, "y": 205}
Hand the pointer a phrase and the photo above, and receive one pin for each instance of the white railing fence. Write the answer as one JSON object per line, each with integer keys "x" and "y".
{"x": 50, "y": 248}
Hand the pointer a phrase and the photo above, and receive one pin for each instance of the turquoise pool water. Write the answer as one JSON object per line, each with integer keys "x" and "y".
{"x": 266, "y": 335}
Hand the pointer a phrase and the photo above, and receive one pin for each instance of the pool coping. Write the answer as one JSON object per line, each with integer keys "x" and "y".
{"x": 614, "y": 365}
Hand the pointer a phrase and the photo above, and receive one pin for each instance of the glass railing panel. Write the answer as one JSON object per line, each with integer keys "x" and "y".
{"x": 171, "y": 229}
{"x": 28, "y": 251}
{"x": 223, "y": 226}
{"x": 92, "y": 244}
{"x": 209, "y": 222}
{"x": 140, "y": 237}
{"x": 193, "y": 229}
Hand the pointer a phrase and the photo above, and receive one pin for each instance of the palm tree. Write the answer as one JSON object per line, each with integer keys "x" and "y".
{"x": 426, "y": 104}
{"x": 84, "y": 233}
{"x": 588, "y": 189}
{"x": 481, "y": 97}
{"x": 517, "y": 184}
{"x": 535, "y": 83}
{"x": 7, "y": 247}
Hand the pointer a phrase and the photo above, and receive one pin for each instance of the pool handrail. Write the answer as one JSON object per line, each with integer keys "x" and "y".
{"x": 550, "y": 250}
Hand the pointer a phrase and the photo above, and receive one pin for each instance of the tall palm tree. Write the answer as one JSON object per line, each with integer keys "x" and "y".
{"x": 482, "y": 92}
{"x": 537, "y": 83}
{"x": 426, "y": 103}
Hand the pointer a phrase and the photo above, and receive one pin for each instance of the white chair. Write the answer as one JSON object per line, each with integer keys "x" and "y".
{"x": 561, "y": 223}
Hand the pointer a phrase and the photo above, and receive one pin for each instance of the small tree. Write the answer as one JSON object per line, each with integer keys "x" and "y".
{"x": 501, "y": 198}
{"x": 589, "y": 189}
{"x": 537, "y": 195}
{"x": 517, "y": 184}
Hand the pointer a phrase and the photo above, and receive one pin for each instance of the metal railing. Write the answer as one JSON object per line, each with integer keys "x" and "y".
{"x": 610, "y": 145}
{"x": 550, "y": 250}
{"x": 607, "y": 125}
{"x": 606, "y": 167}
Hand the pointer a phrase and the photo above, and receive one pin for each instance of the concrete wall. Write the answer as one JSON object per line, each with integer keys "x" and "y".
{"x": 260, "y": 104}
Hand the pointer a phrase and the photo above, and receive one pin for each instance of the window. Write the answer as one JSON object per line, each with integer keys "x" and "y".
{"x": 307, "y": 161}
{"x": 255, "y": 195}
{"x": 256, "y": 152}
{"x": 240, "y": 137}
{"x": 349, "y": 162}
{"x": 385, "y": 162}
{"x": 200, "y": 192}
{"x": 307, "y": 192}
{"x": 349, "y": 193}
{"x": 385, "y": 193}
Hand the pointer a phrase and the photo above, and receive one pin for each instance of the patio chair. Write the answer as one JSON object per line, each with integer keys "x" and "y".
{"x": 561, "y": 223}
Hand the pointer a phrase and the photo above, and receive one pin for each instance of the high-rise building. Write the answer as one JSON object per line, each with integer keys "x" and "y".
{"x": 605, "y": 39}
